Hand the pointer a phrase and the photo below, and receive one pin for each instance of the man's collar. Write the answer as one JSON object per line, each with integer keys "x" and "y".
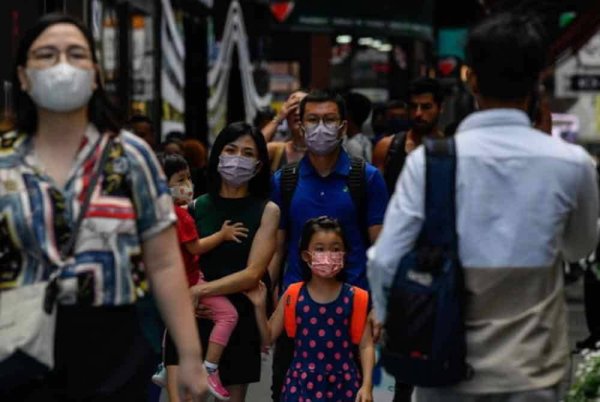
{"x": 342, "y": 165}
{"x": 494, "y": 117}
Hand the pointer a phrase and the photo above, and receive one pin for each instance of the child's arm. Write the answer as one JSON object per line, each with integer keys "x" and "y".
{"x": 367, "y": 360}
{"x": 229, "y": 232}
{"x": 269, "y": 329}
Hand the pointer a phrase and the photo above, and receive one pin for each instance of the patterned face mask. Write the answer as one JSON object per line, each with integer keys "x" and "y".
{"x": 183, "y": 193}
{"x": 327, "y": 264}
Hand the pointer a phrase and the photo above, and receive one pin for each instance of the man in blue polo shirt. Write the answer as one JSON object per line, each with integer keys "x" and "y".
{"x": 322, "y": 188}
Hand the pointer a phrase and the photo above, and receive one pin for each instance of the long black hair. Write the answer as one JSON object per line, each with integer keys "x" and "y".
{"x": 101, "y": 112}
{"x": 259, "y": 186}
{"x": 312, "y": 226}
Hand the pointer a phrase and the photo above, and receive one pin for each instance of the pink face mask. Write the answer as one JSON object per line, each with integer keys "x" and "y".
{"x": 327, "y": 264}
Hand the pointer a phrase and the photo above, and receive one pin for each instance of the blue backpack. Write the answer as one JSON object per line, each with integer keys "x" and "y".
{"x": 424, "y": 343}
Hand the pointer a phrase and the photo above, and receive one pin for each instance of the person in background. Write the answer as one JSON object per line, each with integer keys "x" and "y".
{"x": 378, "y": 122}
{"x": 141, "y": 126}
{"x": 390, "y": 118}
{"x": 288, "y": 110}
{"x": 356, "y": 143}
{"x": 524, "y": 201}
{"x": 283, "y": 153}
{"x": 263, "y": 118}
{"x": 425, "y": 105}
{"x": 65, "y": 123}
{"x": 172, "y": 145}
{"x": 197, "y": 157}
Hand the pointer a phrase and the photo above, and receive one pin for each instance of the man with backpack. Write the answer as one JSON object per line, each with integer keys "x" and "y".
{"x": 523, "y": 200}
{"x": 425, "y": 100}
{"x": 327, "y": 181}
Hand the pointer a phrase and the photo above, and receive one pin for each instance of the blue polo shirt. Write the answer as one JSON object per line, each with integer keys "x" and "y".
{"x": 317, "y": 196}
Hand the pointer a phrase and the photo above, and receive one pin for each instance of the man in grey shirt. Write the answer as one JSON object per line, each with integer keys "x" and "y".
{"x": 523, "y": 201}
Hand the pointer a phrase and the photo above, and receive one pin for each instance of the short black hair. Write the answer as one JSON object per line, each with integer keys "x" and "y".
{"x": 101, "y": 112}
{"x": 358, "y": 107}
{"x": 172, "y": 140}
{"x": 507, "y": 53}
{"x": 395, "y": 104}
{"x": 263, "y": 116}
{"x": 175, "y": 135}
{"x": 259, "y": 186}
{"x": 172, "y": 164}
{"x": 426, "y": 85}
{"x": 321, "y": 97}
{"x": 312, "y": 226}
{"x": 138, "y": 118}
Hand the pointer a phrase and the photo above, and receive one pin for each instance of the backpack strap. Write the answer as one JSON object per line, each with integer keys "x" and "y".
{"x": 439, "y": 228}
{"x": 358, "y": 320}
{"x": 396, "y": 145}
{"x": 289, "y": 309}
{"x": 357, "y": 187}
{"x": 288, "y": 183}
{"x": 357, "y": 183}
{"x": 394, "y": 160}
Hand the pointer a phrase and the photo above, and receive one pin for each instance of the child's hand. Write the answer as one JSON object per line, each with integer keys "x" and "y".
{"x": 365, "y": 394}
{"x": 233, "y": 231}
{"x": 258, "y": 295}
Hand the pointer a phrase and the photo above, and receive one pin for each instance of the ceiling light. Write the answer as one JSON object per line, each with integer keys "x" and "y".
{"x": 343, "y": 39}
{"x": 365, "y": 41}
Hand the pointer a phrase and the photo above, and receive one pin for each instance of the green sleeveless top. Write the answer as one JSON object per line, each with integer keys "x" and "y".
{"x": 240, "y": 363}
{"x": 210, "y": 214}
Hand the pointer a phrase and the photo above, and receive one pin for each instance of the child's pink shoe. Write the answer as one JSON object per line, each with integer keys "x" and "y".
{"x": 215, "y": 386}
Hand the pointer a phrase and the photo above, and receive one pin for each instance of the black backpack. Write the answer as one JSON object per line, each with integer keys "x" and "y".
{"x": 394, "y": 161}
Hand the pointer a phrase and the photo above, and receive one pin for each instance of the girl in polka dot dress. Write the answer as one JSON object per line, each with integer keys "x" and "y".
{"x": 324, "y": 366}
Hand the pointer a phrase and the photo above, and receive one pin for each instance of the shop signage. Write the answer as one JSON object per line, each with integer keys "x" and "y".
{"x": 373, "y": 17}
{"x": 581, "y": 82}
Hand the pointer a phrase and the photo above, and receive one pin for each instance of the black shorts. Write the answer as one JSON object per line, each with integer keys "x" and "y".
{"x": 240, "y": 363}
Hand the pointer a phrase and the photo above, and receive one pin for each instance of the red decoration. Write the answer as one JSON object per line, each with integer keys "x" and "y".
{"x": 282, "y": 10}
{"x": 447, "y": 66}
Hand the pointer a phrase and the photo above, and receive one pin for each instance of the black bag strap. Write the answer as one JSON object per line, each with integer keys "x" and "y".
{"x": 288, "y": 183}
{"x": 439, "y": 228}
{"x": 357, "y": 187}
{"x": 357, "y": 182}
{"x": 394, "y": 160}
{"x": 396, "y": 146}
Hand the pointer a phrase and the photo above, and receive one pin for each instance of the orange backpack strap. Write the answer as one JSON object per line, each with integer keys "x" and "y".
{"x": 360, "y": 305}
{"x": 289, "y": 310}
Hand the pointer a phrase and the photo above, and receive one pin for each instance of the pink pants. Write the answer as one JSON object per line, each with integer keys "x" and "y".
{"x": 225, "y": 317}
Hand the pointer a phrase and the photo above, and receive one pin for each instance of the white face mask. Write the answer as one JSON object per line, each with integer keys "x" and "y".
{"x": 61, "y": 88}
